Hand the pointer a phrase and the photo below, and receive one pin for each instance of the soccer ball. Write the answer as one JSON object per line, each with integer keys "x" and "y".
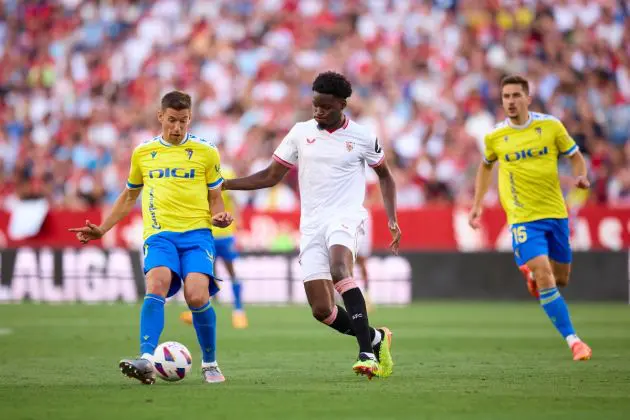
{"x": 172, "y": 361}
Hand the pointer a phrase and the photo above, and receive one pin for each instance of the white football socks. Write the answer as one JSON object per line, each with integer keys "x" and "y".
{"x": 377, "y": 337}
{"x": 572, "y": 339}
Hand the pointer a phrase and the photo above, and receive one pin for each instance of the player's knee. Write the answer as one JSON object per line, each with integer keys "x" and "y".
{"x": 321, "y": 311}
{"x": 339, "y": 271}
{"x": 196, "y": 297}
{"x": 159, "y": 281}
{"x": 544, "y": 277}
{"x": 196, "y": 290}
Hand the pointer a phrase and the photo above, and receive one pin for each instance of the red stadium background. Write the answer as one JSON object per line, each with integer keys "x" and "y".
{"x": 434, "y": 228}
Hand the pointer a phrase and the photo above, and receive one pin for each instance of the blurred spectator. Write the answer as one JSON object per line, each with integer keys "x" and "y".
{"x": 80, "y": 81}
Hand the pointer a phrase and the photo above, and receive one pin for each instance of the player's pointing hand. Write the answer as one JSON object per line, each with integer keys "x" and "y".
{"x": 88, "y": 233}
{"x": 582, "y": 182}
{"x": 222, "y": 220}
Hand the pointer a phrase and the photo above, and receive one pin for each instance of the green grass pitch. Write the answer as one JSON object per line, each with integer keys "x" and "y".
{"x": 453, "y": 360}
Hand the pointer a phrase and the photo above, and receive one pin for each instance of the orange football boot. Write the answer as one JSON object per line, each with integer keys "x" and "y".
{"x": 581, "y": 351}
{"x": 186, "y": 317}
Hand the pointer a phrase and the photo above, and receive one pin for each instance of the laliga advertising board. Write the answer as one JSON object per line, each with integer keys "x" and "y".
{"x": 45, "y": 268}
{"x": 108, "y": 275}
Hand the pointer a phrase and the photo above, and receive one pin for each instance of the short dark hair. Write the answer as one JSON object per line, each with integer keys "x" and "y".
{"x": 334, "y": 84}
{"x": 176, "y": 100}
{"x": 515, "y": 79}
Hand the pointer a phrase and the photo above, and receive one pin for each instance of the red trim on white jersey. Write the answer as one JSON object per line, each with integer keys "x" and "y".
{"x": 283, "y": 162}
{"x": 379, "y": 163}
{"x": 343, "y": 126}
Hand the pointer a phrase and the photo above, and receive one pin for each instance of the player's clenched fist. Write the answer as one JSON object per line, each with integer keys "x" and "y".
{"x": 474, "y": 217}
{"x": 222, "y": 220}
{"x": 582, "y": 182}
{"x": 88, "y": 233}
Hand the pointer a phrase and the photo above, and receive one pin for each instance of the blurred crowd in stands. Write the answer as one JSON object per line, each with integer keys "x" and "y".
{"x": 80, "y": 82}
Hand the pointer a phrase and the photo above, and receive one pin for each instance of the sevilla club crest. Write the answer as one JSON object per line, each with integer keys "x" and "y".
{"x": 349, "y": 146}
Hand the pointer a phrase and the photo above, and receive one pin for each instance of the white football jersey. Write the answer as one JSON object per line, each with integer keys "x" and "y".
{"x": 331, "y": 170}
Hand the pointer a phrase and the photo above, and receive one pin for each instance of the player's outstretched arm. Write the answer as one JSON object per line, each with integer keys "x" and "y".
{"x": 266, "y": 178}
{"x": 122, "y": 207}
{"x": 388, "y": 190}
{"x": 482, "y": 183}
{"x": 578, "y": 166}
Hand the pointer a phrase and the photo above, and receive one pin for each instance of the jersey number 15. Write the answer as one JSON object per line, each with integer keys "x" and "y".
{"x": 519, "y": 234}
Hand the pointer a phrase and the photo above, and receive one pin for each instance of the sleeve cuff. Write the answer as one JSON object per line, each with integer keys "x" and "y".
{"x": 215, "y": 184}
{"x": 283, "y": 162}
{"x": 134, "y": 186}
{"x": 489, "y": 161}
{"x": 571, "y": 151}
{"x": 380, "y": 161}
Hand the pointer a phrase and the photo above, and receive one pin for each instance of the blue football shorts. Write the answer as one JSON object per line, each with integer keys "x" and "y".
{"x": 541, "y": 237}
{"x": 183, "y": 253}
{"x": 225, "y": 248}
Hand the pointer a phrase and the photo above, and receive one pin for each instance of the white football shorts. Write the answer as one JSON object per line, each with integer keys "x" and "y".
{"x": 315, "y": 248}
{"x": 365, "y": 240}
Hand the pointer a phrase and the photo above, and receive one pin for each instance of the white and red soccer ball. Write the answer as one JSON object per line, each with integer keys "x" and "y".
{"x": 172, "y": 361}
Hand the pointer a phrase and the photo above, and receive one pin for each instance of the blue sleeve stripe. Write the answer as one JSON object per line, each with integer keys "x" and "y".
{"x": 571, "y": 150}
{"x": 215, "y": 183}
{"x": 134, "y": 186}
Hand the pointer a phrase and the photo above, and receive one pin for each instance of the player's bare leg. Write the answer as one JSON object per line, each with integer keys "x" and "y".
{"x": 205, "y": 322}
{"x": 555, "y": 307}
{"x": 239, "y": 318}
{"x": 320, "y": 296}
{"x": 362, "y": 263}
{"x": 158, "y": 281}
{"x": 561, "y": 273}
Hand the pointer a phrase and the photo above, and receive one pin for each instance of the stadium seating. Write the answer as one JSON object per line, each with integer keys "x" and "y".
{"x": 79, "y": 84}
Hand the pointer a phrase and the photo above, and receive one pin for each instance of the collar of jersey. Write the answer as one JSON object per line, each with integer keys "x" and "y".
{"x": 341, "y": 127}
{"x": 167, "y": 144}
{"x": 520, "y": 127}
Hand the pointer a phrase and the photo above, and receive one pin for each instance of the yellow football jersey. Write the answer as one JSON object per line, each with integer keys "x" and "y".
{"x": 529, "y": 186}
{"x": 226, "y": 173}
{"x": 175, "y": 181}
